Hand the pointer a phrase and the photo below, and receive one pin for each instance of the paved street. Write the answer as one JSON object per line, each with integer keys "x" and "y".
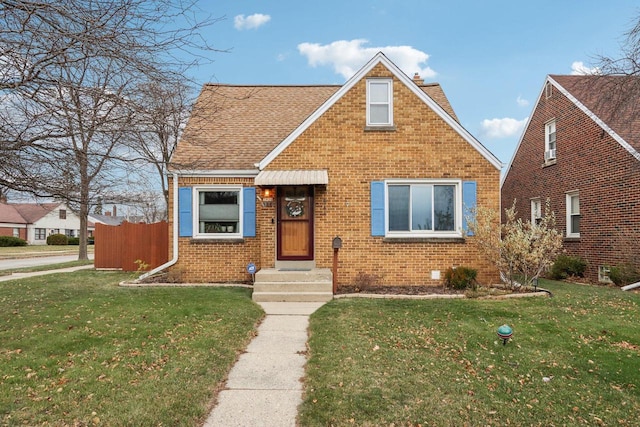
{"x": 6, "y": 264}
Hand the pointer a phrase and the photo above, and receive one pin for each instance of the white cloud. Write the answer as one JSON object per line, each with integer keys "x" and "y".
{"x": 348, "y": 56}
{"x": 579, "y": 69}
{"x": 522, "y": 102}
{"x": 502, "y": 128}
{"x": 240, "y": 22}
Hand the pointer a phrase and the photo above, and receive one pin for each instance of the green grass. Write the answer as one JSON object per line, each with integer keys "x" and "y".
{"x": 76, "y": 349}
{"x": 440, "y": 362}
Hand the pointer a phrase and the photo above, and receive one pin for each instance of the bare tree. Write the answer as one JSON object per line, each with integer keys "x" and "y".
{"x": 160, "y": 119}
{"x": 617, "y": 78}
{"x": 70, "y": 72}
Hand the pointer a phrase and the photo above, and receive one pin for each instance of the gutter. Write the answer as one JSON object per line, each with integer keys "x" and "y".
{"x": 631, "y": 286}
{"x": 173, "y": 260}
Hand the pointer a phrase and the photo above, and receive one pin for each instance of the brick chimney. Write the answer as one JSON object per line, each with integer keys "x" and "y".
{"x": 417, "y": 79}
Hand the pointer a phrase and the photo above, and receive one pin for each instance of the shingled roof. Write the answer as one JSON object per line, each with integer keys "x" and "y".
{"x": 613, "y": 100}
{"x": 233, "y": 127}
{"x": 24, "y": 213}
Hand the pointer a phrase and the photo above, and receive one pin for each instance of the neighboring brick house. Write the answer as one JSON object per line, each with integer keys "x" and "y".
{"x": 580, "y": 150}
{"x": 33, "y": 222}
{"x": 272, "y": 174}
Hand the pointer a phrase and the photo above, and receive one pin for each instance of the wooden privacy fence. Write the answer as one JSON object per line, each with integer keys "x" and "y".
{"x": 120, "y": 246}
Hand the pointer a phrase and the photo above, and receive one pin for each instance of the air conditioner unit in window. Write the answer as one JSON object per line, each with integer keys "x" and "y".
{"x": 549, "y": 155}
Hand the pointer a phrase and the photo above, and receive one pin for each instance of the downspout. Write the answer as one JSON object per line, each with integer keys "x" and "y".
{"x": 175, "y": 235}
{"x": 631, "y": 286}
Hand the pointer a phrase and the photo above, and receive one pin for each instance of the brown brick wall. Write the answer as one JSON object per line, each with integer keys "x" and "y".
{"x": 422, "y": 146}
{"x": 213, "y": 260}
{"x": 589, "y": 161}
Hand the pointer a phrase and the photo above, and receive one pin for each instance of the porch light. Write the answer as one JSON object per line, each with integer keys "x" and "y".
{"x": 267, "y": 193}
{"x": 267, "y": 196}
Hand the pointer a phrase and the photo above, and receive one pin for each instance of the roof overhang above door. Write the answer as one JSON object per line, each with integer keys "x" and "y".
{"x": 292, "y": 177}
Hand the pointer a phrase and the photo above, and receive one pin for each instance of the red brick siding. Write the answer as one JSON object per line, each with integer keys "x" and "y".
{"x": 589, "y": 161}
{"x": 8, "y": 231}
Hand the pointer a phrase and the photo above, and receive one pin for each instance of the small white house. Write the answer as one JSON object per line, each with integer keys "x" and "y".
{"x": 34, "y": 222}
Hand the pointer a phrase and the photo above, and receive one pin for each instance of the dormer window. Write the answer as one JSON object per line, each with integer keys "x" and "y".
{"x": 379, "y": 102}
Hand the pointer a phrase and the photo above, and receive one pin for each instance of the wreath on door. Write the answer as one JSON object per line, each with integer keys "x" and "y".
{"x": 295, "y": 208}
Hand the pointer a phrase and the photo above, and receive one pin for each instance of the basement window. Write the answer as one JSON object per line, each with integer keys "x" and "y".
{"x": 603, "y": 274}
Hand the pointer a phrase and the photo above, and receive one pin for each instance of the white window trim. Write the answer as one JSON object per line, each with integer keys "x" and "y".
{"x": 534, "y": 201}
{"x": 195, "y": 211}
{"x": 457, "y": 233}
{"x": 389, "y": 94}
{"x": 43, "y": 234}
{"x": 550, "y": 154}
{"x": 569, "y": 228}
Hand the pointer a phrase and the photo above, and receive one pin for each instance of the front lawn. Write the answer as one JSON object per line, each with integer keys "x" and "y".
{"x": 574, "y": 359}
{"x": 76, "y": 349}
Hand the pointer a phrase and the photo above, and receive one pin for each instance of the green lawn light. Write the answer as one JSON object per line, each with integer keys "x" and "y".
{"x": 505, "y": 332}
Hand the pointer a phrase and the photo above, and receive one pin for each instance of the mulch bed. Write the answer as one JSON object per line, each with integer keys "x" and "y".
{"x": 398, "y": 290}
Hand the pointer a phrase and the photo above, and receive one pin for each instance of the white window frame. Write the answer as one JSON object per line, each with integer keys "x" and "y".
{"x": 550, "y": 151}
{"x": 389, "y": 102}
{"x": 536, "y": 210}
{"x": 570, "y": 214}
{"x": 40, "y": 234}
{"x": 196, "y": 210}
{"x": 16, "y": 232}
{"x": 457, "y": 228}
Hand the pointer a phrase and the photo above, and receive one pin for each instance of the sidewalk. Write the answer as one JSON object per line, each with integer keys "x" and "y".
{"x": 264, "y": 387}
{"x": 16, "y": 276}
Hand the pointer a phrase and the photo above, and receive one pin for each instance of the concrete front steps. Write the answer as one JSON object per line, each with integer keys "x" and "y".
{"x": 283, "y": 285}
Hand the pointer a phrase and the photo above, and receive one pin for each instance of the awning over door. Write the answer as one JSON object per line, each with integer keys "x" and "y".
{"x": 293, "y": 177}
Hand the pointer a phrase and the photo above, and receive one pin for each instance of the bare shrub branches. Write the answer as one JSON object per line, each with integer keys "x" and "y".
{"x": 521, "y": 251}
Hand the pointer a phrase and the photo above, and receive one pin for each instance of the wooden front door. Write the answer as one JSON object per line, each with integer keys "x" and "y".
{"x": 295, "y": 223}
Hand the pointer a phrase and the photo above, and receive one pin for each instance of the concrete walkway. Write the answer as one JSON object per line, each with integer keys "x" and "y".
{"x": 264, "y": 387}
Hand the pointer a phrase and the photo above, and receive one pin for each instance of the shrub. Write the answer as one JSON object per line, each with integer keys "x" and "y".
{"x": 460, "y": 278}
{"x": 73, "y": 241}
{"x": 624, "y": 274}
{"x": 91, "y": 240}
{"x": 57, "y": 240}
{"x": 568, "y": 266}
{"x": 522, "y": 251}
{"x": 365, "y": 281}
{"x": 9, "y": 241}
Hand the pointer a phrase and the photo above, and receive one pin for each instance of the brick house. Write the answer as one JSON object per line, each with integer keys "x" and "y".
{"x": 270, "y": 175}
{"x": 34, "y": 222}
{"x": 580, "y": 149}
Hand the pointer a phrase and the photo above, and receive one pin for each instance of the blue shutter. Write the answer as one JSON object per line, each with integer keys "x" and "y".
{"x": 249, "y": 211}
{"x": 468, "y": 203}
{"x": 184, "y": 212}
{"x": 377, "y": 208}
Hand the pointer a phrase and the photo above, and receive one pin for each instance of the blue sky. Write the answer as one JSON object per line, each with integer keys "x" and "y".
{"x": 491, "y": 58}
